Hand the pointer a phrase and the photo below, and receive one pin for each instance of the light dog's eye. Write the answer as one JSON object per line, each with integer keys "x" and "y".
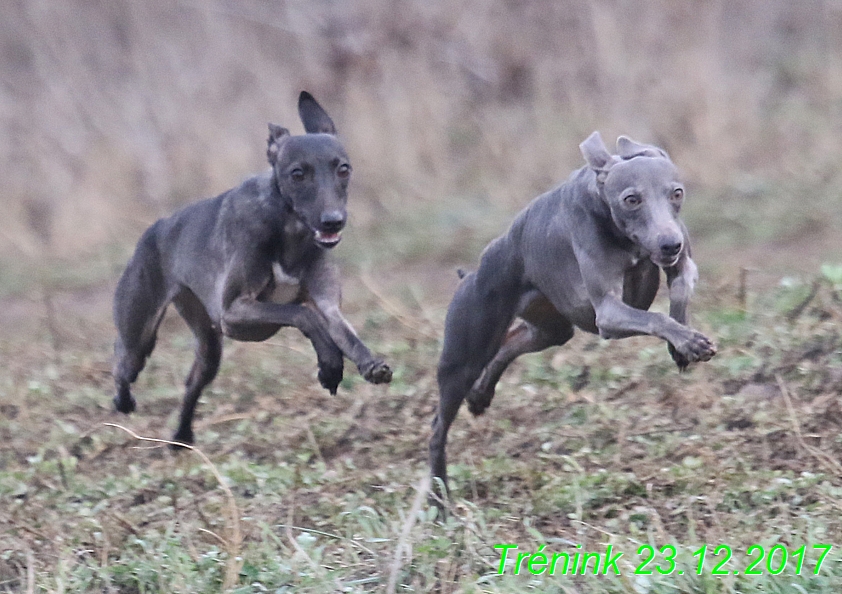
{"x": 343, "y": 170}
{"x": 677, "y": 195}
{"x": 297, "y": 174}
{"x": 632, "y": 200}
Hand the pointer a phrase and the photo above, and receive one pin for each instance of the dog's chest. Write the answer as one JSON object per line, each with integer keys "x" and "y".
{"x": 287, "y": 288}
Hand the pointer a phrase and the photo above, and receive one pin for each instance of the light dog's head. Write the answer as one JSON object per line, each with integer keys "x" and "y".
{"x": 642, "y": 188}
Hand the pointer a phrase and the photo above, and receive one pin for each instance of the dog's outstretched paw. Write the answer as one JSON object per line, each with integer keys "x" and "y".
{"x": 697, "y": 348}
{"x": 378, "y": 372}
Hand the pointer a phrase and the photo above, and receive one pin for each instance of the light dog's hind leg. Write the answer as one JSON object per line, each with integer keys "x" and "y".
{"x": 524, "y": 337}
{"x": 477, "y": 320}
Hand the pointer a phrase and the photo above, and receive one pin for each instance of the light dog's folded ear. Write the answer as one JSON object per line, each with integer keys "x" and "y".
{"x": 628, "y": 149}
{"x": 314, "y": 118}
{"x": 597, "y": 155}
{"x": 275, "y": 134}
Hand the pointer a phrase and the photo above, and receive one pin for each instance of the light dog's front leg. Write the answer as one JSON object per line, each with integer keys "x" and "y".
{"x": 616, "y": 319}
{"x": 681, "y": 279}
{"x": 324, "y": 290}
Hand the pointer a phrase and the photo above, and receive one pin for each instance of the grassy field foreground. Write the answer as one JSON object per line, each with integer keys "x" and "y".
{"x": 593, "y": 444}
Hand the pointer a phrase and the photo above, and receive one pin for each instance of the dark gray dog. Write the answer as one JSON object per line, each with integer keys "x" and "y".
{"x": 245, "y": 264}
{"x": 586, "y": 254}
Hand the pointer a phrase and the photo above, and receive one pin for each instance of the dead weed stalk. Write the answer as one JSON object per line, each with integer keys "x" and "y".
{"x": 233, "y": 543}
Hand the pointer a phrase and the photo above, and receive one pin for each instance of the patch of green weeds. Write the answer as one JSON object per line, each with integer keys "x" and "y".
{"x": 602, "y": 443}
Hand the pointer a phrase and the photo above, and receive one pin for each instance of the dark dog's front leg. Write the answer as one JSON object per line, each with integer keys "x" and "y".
{"x": 324, "y": 289}
{"x": 373, "y": 369}
{"x": 246, "y": 314}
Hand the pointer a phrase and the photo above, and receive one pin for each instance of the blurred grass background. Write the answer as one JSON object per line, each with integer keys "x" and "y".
{"x": 455, "y": 115}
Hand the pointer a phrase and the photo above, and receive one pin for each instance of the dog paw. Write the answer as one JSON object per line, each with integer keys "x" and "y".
{"x": 478, "y": 401}
{"x": 476, "y": 408}
{"x": 329, "y": 376}
{"x": 377, "y": 372}
{"x": 697, "y": 348}
{"x": 182, "y": 436}
{"x": 331, "y": 364}
{"x": 124, "y": 402}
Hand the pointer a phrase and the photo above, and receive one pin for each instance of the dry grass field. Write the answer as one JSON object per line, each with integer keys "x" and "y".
{"x": 455, "y": 115}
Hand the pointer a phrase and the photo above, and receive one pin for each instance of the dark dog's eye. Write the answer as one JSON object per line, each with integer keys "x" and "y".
{"x": 633, "y": 200}
{"x": 297, "y": 174}
{"x": 343, "y": 170}
{"x": 677, "y": 195}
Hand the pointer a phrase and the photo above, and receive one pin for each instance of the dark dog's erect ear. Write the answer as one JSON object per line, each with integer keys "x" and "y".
{"x": 275, "y": 134}
{"x": 314, "y": 118}
{"x": 628, "y": 149}
{"x": 597, "y": 155}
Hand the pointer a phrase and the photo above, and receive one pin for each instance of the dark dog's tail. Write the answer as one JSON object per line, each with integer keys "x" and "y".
{"x": 141, "y": 292}
{"x": 139, "y": 304}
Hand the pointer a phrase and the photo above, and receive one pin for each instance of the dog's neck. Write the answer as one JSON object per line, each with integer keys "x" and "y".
{"x": 296, "y": 249}
{"x": 279, "y": 198}
{"x": 289, "y": 212}
{"x": 295, "y": 246}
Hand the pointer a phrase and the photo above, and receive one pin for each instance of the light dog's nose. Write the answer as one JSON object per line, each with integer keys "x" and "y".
{"x": 670, "y": 248}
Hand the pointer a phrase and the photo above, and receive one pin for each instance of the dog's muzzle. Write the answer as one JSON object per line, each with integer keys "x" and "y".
{"x": 327, "y": 239}
{"x": 330, "y": 228}
{"x": 669, "y": 252}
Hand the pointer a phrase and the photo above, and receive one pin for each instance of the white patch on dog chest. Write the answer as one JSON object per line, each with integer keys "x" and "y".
{"x": 287, "y": 288}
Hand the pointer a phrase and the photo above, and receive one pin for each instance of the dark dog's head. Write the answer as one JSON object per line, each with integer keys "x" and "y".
{"x": 312, "y": 172}
{"x": 642, "y": 188}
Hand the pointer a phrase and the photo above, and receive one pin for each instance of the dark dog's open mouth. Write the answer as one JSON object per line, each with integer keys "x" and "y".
{"x": 328, "y": 240}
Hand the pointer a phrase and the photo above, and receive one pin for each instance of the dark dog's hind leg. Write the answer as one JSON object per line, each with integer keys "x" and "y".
{"x": 139, "y": 304}
{"x": 206, "y": 364}
{"x": 522, "y": 338}
{"x": 476, "y": 324}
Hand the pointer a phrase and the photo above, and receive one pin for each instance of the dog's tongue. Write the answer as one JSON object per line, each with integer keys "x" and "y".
{"x": 328, "y": 239}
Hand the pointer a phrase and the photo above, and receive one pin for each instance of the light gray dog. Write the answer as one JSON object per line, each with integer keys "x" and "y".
{"x": 586, "y": 254}
{"x": 245, "y": 264}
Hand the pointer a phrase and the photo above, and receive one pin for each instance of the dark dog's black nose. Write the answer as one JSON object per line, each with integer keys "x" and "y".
{"x": 332, "y": 222}
{"x": 670, "y": 249}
